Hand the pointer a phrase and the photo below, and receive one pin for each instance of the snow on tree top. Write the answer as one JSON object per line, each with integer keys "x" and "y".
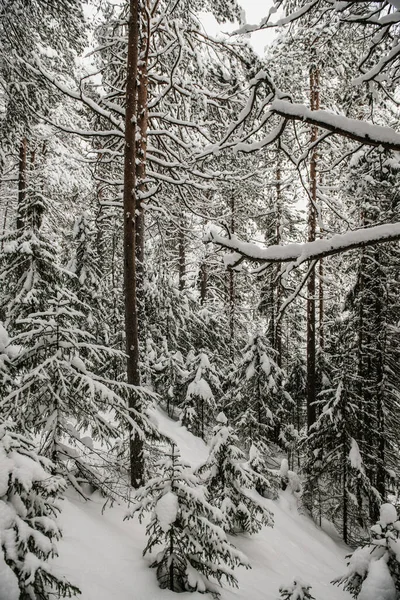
{"x": 166, "y": 510}
{"x": 221, "y": 418}
{"x": 388, "y": 514}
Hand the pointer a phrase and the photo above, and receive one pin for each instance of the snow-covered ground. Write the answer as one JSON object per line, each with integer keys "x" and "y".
{"x": 102, "y": 554}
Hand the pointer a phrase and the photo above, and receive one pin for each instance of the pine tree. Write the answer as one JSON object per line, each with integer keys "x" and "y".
{"x": 29, "y": 502}
{"x": 195, "y": 554}
{"x": 232, "y": 483}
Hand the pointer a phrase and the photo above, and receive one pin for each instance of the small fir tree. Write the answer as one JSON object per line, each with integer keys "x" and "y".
{"x": 232, "y": 483}
{"x": 202, "y": 389}
{"x": 298, "y": 590}
{"x": 29, "y": 505}
{"x": 195, "y": 554}
{"x": 169, "y": 374}
{"x": 336, "y": 484}
{"x": 374, "y": 568}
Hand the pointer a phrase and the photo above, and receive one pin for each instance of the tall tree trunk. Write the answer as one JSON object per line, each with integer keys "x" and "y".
{"x": 182, "y": 255}
{"x": 278, "y": 328}
{"x": 311, "y": 312}
{"x": 141, "y": 140}
{"x": 321, "y": 330}
{"x": 130, "y": 221}
{"x": 22, "y": 168}
{"x": 231, "y": 288}
{"x": 203, "y": 282}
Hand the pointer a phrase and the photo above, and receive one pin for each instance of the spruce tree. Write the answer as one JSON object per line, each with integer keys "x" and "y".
{"x": 232, "y": 483}
{"x": 202, "y": 389}
{"x": 336, "y": 483}
{"x": 59, "y": 394}
{"x": 257, "y": 401}
{"x": 195, "y": 553}
{"x": 29, "y": 503}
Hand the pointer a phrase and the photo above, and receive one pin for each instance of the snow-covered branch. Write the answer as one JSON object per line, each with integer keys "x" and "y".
{"x": 360, "y": 131}
{"x": 300, "y": 253}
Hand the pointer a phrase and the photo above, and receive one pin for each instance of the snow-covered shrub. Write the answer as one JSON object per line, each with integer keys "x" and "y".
{"x": 195, "y": 553}
{"x": 374, "y": 569}
{"x": 29, "y": 495}
{"x": 232, "y": 484}
{"x": 298, "y": 590}
{"x": 289, "y": 479}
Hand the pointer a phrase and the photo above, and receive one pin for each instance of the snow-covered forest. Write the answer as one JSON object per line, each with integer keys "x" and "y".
{"x": 199, "y": 300}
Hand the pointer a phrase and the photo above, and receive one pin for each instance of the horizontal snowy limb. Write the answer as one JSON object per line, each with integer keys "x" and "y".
{"x": 360, "y": 131}
{"x": 300, "y": 253}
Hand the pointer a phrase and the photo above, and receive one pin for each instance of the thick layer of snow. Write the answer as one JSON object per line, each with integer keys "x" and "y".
{"x": 362, "y": 131}
{"x": 299, "y": 253}
{"x": 379, "y": 583}
{"x": 387, "y": 515}
{"x": 102, "y": 554}
{"x": 166, "y": 510}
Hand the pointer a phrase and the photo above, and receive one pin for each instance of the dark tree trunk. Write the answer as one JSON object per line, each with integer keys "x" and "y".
{"x": 22, "y": 168}
{"x": 182, "y": 255}
{"x": 130, "y": 253}
{"x": 278, "y": 327}
{"x": 311, "y": 312}
{"x": 231, "y": 288}
{"x": 203, "y": 282}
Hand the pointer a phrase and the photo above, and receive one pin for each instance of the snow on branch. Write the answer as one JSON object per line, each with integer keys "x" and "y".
{"x": 300, "y": 253}
{"x": 360, "y": 131}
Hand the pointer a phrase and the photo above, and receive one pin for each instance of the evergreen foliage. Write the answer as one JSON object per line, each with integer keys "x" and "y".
{"x": 297, "y": 591}
{"x": 258, "y": 401}
{"x": 374, "y": 568}
{"x": 232, "y": 483}
{"x": 29, "y": 506}
{"x": 202, "y": 386}
{"x": 196, "y": 554}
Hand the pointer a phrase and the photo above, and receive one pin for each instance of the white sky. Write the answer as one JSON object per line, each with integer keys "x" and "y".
{"x": 255, "y": 10}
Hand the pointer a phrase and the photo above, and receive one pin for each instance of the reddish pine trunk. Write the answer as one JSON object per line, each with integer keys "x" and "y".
{"x": 22, "y": 167}
{"x": 311, "y": 312}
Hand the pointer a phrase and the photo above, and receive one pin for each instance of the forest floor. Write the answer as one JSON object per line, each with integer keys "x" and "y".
{"x": 102, "y": 554}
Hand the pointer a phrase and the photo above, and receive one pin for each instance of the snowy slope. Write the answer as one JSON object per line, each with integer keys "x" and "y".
{"x": 102, "y": 554}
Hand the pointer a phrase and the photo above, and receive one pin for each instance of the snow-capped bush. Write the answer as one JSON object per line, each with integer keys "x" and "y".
{"x": 374, "y": 569}
{"x": 298, "y": 590}
{"x": 289, "y": 479}
{"x": 29, "y": 495}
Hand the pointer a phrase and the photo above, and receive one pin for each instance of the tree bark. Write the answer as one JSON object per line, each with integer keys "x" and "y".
{"x": 182, "y": 254}
{"x": 311, "y": 312}
{"x": 22, "y": 169}
{"x": 130, "y": 223}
